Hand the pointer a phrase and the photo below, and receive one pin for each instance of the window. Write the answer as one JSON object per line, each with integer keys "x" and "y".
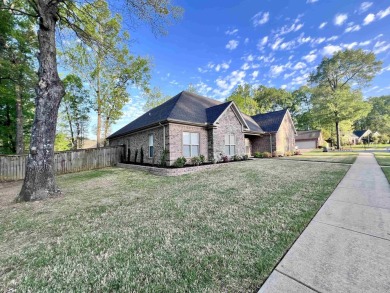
{"x": 230, "y": 144}
{"x": 190, "y": 144}
{"x": 151, "y": 146}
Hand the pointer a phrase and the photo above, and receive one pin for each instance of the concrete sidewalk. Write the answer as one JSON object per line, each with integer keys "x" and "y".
{"x": 346, "y": 247}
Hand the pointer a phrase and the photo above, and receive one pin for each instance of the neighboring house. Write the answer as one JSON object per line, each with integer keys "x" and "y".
{"x": 190, "y": 125}
{"x": 310, "y": 139}
{"x": 361, "y": 135}
{"x": 280, "y": 132}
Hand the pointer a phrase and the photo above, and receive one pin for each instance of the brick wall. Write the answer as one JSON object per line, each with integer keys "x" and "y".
{"x": 141, "y": 139}
{"x": 228, "y": 124}
{"x": 285, "y": 137}
{"x": 176, "y": 140}
{"x": 263, "y": 144}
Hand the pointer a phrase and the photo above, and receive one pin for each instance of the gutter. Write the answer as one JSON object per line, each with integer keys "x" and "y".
{"x": 163, "y": 135}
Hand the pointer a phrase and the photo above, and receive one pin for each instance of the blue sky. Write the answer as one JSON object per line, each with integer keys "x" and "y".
{"x": 220, "y": 44}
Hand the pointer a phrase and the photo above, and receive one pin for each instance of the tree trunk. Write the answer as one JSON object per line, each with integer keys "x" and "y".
{"x": 39, "y": 182}
{"x": 99, "y": 125}
{"x": 19, "y": 121}
{"x": 338, "y": 135}
{"x": 106, "y": 126}
{"x": 74, "y": 143}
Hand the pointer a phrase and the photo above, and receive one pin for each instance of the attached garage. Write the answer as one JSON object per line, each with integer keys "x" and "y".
{"x": 307, "y": 140}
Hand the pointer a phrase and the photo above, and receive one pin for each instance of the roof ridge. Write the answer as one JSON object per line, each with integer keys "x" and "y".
{"x": 174, "y": 104}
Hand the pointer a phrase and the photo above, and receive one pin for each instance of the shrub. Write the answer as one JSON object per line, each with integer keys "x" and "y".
{"x": 225, "y": 159}
{"x": 258, "y": 155}
{"x": 277, "y": 154}
{"x": 135, "y": 155}
{"x": 196, "y": 161}
{"x": 202, "y": 159}
{"x": 267, "y": 155}
{"x": 180, "y": 162}
{"x": 245, "y": 157}
{"x": 164, "y": 158}
{"x": 237, "y": 158}
{"x": 142, "y": 155}
{"x": 288, "y": 154}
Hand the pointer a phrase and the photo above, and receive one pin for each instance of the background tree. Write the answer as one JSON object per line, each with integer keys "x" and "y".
{"x": 334, "y": 79}
{"x": 108, "y": 69}
{"x": 154, "y": 98}
{"x": 76, "y": 107}
{"x": 40, "y": 181}
{"x": 378, "y": 119}
{"x": 242, "y": 96}
{"x": 17, "y": 77}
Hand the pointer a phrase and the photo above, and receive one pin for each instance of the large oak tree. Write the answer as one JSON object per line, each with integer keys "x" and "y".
{"x": 338, "y": 80}
{"x": 39, "y": 182}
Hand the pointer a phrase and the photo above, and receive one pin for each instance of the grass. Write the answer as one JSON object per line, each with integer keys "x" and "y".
{"x": 128, "y": 231}
{"x": 383, "y": 159}
{"x": 330, "y": 157}
{"x": 371, "y": 146}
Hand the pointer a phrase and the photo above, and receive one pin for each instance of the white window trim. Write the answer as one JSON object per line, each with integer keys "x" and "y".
{"x": 190, "y": 145}
{"x": 150, "y": 145}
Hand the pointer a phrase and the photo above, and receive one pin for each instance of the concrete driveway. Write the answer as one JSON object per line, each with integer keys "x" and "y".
{"x": 346, "y": 247}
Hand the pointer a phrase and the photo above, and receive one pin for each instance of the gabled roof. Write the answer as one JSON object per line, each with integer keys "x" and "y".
{"x": 309, "y": 134}
{"x": 185, "y": 107}
{"x": 270, "y": 122}
{"x": 360, "y": 133}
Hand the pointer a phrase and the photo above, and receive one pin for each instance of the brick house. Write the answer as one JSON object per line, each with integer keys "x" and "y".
{"x": 309, "y": 139}
{"x": 279, "y": 132}
{"x": 190, "y": 125}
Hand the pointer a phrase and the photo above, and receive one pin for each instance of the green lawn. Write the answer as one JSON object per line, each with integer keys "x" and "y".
{"x": 121, "y": 230}
{"x": 383, "y": 159}
{"x": 371, "y": 146}
{"x": 331, "y": 157}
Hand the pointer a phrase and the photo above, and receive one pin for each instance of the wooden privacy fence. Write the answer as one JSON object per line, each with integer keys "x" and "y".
{"x": 13, "y": 167}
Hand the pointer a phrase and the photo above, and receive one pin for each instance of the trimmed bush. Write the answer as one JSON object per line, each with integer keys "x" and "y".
{"x": 196, "y": 161}
{"x": 297, "y": 153}
{"x": 180, "y": 162}
{"x": 135, "y": 155}
{"x": 245, "y": 157}
{"x": 288, "y": 154}
{"x": 258, "y": 155}
{"x": 142, "y": 155}
{"x": 164, "y": 158}
{"x": 202, "y": 159}
{"x": 267, "y": 155}
{"x": 225, "y": 159}
{"x": 237, "y": 158}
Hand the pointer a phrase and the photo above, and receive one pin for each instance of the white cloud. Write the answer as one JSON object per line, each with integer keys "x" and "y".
{"x": 232, "y": 44}
{"x": 262, "y": 42}
{"x": 365, "y": 43}
{"x": 217, "y": 67}
{"x": 368, "y": 19}
{"x": 284, "y": 86}
{"x": 322, "y": 25}
{"x": 249, "y": 58}
{"x": 277, "y": 69}
{"x": 246, "y": 41}
{"x": 380, "y": 47}
{"x": 255, "y": 74}
{"x": 287, "y": 45}
{"x": 332, "y": 38}
{"x": 364, "y": 6}
{"x": 383, "y": 13}
{"x": 260, "y": 18}
{"x": 310, "y": 57}
{"x": 339, "y": 19}
{"x": 302, "y": 40}
{"x": 225, "y": 85}
{"x": 300, "y": 79}
{"x": 225, "y": 65}
{"x": 353, "y": 28}
{"x": 299, "y": 65}
{"x": 311, "y": 1}
{"x": 245, "y": 66}
{"x": 231, "y": 32}
{"x": 318, "y": 40}
{"x": 330, "y": 49}
{"x": 277, "y": 43}
{"x": 349, "y": 46}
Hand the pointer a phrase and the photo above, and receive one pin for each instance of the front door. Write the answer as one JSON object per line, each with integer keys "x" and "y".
{"x": 247, "y": 146}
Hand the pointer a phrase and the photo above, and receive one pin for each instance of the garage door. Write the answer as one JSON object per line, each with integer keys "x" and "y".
{"x": 308, "y": 144}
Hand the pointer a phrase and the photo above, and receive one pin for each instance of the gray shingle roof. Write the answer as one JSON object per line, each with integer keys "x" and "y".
{"x": 308, "y": 134}
{"x": 359, "y": 133}
{"x": 270, "y": 122}
{"x": 186, "y": 107}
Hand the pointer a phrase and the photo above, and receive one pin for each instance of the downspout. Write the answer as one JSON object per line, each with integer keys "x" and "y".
{"x": 163, "y": 135}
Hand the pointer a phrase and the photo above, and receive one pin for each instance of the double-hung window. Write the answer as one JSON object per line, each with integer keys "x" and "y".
{"x": 151, "y": 146}
{"x": 190, "y": 144}
{"x": 230, "y": 144}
